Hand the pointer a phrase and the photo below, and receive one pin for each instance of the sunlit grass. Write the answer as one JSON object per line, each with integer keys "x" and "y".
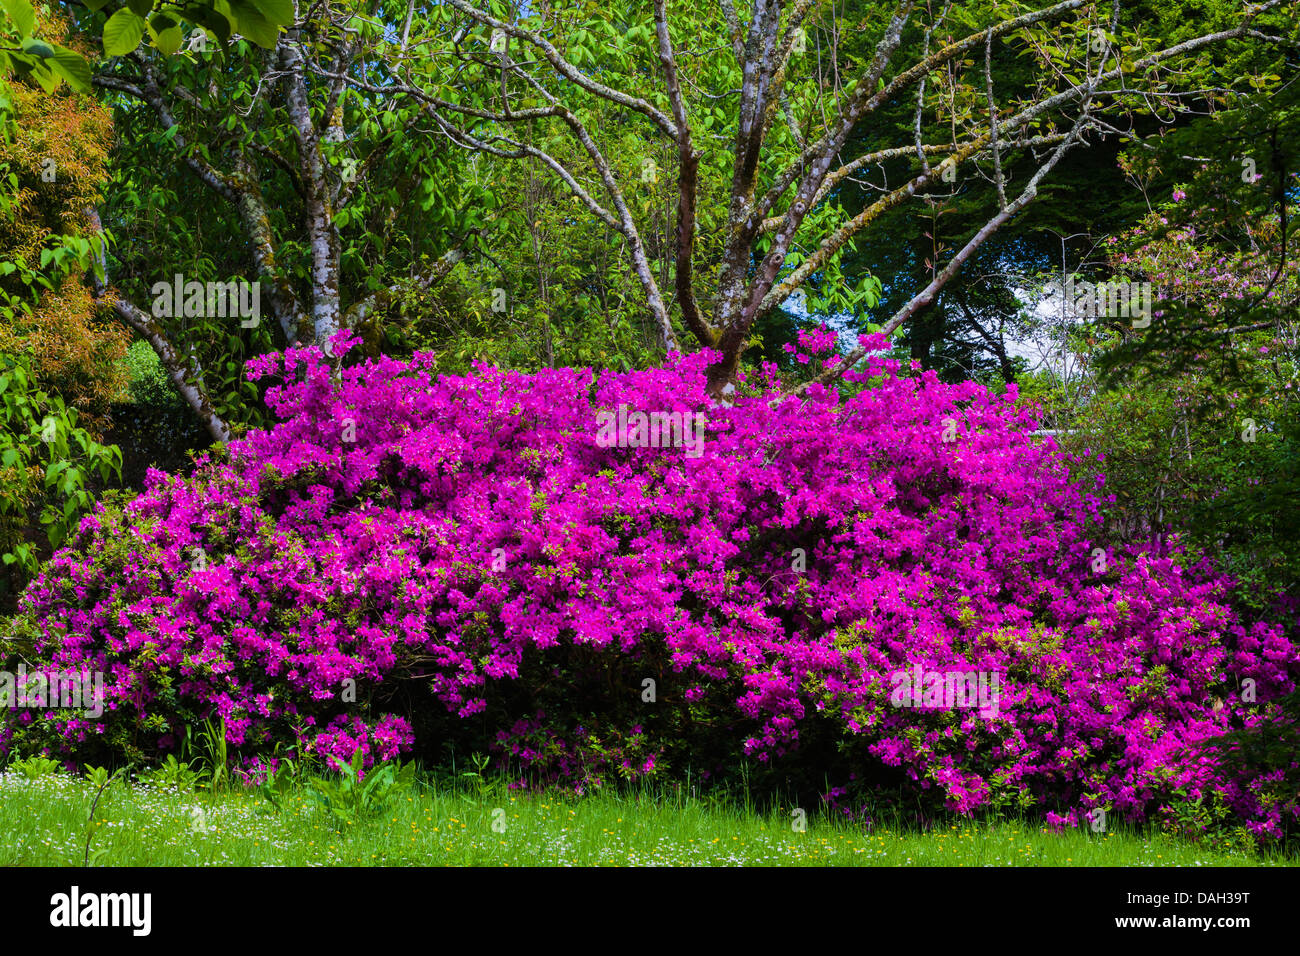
{"x": 44, "y": 822}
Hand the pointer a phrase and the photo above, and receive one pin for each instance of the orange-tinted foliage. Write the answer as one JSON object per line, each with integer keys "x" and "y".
{"x": 76, "y": 350}
{"x": 57, "y": 147}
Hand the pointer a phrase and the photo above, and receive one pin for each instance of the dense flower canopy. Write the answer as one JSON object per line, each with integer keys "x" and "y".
{"x": 450, "y": 533}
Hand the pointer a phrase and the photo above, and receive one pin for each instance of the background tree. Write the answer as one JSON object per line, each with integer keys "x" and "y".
{"x": 335, "y": 212}
{"x": 1197, "y": 417}
{"x": 507, "y": 80}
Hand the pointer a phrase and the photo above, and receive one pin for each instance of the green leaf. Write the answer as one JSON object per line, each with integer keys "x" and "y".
{"x": 169, "y": 40}
{"x": 46, "y": 78}
{"x": 38, "y": 48}
{"x": 72, "y": 67}
{"x": 22, "y": 14}
{"x": 122, "y": 32}
{"x": 140, "y": 7}
{"x": 217, "y": 23}
{"x": 251, "y": 24}
{"x": 276, "y": 12}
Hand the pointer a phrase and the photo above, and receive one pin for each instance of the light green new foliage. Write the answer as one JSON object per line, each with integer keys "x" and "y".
{"x": 355, "y": 794}
{"x": 33, "y": 768}
{"x": 172, "y": 775}
{"x": 46, "y": 462}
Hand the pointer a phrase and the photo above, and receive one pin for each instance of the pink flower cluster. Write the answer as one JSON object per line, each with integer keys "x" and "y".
{"x": 401, "y": 531}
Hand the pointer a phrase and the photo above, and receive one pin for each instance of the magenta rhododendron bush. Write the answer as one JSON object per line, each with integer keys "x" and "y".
{"x": 403, "y": 548}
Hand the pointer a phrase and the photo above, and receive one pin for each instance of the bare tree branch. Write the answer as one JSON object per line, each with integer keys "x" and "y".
{"x": 148, "y": 92}
{"x": 567, "y": 69}
{"x": 185, "y": 374}
{"x": 993, "y": 122}
{"x": 440, "y": 269}
{"x": 927, "y": 295}
{"x": 688, "y": 159}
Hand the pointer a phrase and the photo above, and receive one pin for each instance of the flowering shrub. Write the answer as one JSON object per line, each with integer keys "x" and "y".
{"x": 398, "y": 544}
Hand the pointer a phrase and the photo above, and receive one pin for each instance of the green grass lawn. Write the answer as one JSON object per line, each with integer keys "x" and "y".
{"x": 44, "y": 823}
